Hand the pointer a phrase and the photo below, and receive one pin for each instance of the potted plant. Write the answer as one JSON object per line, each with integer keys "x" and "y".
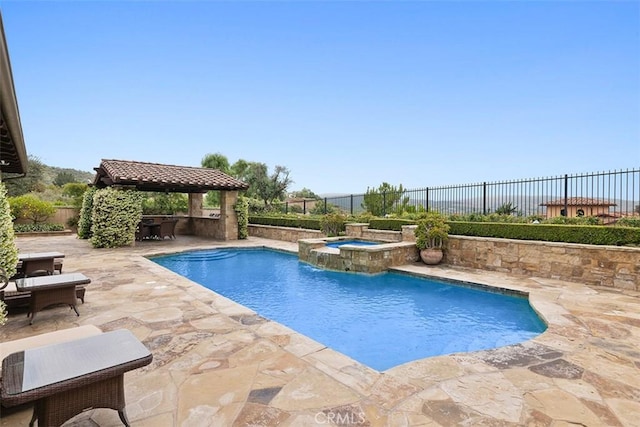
{"x": 432, "y": 232}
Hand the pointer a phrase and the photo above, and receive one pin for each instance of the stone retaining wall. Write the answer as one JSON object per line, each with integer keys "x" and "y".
{"x": 612, "y": 266}
{"x": 284, "y": 234}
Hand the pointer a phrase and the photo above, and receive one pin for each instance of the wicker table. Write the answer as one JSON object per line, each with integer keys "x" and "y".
{"x": 36, "y": 261}
{"x": 67, "y": 378}
{"x": 50, "y": 290}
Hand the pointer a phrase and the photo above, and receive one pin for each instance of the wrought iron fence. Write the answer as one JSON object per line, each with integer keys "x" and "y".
{"x": 613, "y": 194}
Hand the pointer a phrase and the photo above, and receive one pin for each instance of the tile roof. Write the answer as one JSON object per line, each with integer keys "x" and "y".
{"x": 578, "y": 201}
{"x": 158, "y": 177}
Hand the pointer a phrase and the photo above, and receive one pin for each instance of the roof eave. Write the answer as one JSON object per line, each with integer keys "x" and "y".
{"x": 9, "y": 109}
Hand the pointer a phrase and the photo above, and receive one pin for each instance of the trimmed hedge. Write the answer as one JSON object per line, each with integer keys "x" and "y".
{"x": 242, "y": 211}
{"x": 308, "y": 223}
{"x": 85, "y": 221}
{"x": 115, "y": 217}
{"x": 8, "y": 248}
{"x": 585, "y": 234}
{"x": 37, "y": 228}
{"x": 392, "y": 224}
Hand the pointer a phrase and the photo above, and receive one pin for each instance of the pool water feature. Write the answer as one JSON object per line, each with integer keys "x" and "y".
{"x": 380, "y": 320}
{"x": 339, "y": 243}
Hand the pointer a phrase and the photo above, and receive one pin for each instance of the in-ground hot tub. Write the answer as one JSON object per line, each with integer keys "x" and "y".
{"x": 351, "y": 254}
{"x": 357, "y": 242}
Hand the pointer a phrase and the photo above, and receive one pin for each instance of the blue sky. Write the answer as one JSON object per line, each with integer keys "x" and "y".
{"x": 345, "y": 94}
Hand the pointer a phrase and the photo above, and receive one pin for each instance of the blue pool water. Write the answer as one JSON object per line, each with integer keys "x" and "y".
{"x": 350, "y": 242}
{"x": 380, "y": 320}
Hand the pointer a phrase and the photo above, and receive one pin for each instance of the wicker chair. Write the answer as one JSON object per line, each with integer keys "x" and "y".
{"x": 143, "y": 231}
{"x": 168, "y": 229}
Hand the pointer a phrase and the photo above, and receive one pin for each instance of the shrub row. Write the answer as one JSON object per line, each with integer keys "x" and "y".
{"x": 392, "y": 224}
{"x": 585, "y": 234}
{"x": 308, "y": 223}
{"x": 37, "y": 228}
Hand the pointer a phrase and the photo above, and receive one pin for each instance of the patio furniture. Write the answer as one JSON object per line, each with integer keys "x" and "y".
{"x": 67, "y": 378}
{"x": 167, "y": 229}
{"x": 48, "y": 338}
{"x": 143, "y": 231}
{"x": 14, "y": 298}
{"x": 50, "y": 290}
{"x": 36, "y": 262}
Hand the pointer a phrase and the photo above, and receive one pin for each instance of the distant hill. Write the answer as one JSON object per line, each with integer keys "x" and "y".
{"x": 50, "y": 172}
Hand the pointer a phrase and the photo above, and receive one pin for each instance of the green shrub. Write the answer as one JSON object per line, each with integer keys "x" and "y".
{"x": 155, "y": 203}
{"x": 628, "y": 222}
{"x": 332, "y": 224}
{"x": 115, "y": 218}
{"x": 75, "y": 191}
{"x": 432, "y": 231}
{"x": 576, "y": 220}
{"x": 8, "y": 248}
{"x": 242, "y": 212}
{"x": 3, "y": 313}
{"x": 43, "y": 227}
{"x": 321, "y": 208}
{"x": 31, "y": 208}
{"x": 84, "y": 221}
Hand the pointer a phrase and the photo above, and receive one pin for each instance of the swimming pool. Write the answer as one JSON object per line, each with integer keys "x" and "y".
{"x": 380, "y": 320}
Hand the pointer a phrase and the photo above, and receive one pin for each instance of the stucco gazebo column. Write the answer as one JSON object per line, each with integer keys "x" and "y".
{"x": 195, "y": 204}
{"x": 228, "y": 216}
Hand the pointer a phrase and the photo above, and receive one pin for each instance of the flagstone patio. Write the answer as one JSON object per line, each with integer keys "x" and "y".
{"x": 217, "y": 363}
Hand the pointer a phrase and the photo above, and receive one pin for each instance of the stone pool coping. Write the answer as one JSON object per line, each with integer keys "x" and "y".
{"x": 218, "y": 363}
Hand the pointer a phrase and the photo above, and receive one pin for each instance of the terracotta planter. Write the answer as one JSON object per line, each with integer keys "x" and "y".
{"x": 431, "y": 256}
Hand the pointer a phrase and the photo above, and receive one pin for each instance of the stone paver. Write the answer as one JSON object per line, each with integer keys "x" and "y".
{"x": 217, "y": 363}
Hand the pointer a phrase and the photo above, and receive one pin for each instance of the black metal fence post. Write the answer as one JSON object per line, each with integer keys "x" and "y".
{"x": 484, "y": 198}
{"x": 426, "y": 203}
{"x": 566, "y": 195}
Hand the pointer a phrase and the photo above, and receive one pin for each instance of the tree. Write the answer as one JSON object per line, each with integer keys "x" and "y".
{"x": 32, "y": 182}
{"x": 268, "y": 188}
{"x": 30, "y": 207}
{"x": 76, "y": 191}
{"x": 305, "y": 193}
{"x": 64, "y": 178}
{"x": 155, "y": 203}
{"x": 216, "y": 161}
{"x": 506, "y": 209}
{"x": 239, "y": 169}
{"x": 382, "y": 201}
{"x": 220, "y": 162}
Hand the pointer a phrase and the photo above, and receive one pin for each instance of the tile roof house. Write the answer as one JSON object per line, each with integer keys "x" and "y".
{"x": 577, "y": 206}
{"x": 13, "y": 153}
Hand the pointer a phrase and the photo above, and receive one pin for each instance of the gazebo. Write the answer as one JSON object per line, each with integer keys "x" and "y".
{"x": 194, "y": 181}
